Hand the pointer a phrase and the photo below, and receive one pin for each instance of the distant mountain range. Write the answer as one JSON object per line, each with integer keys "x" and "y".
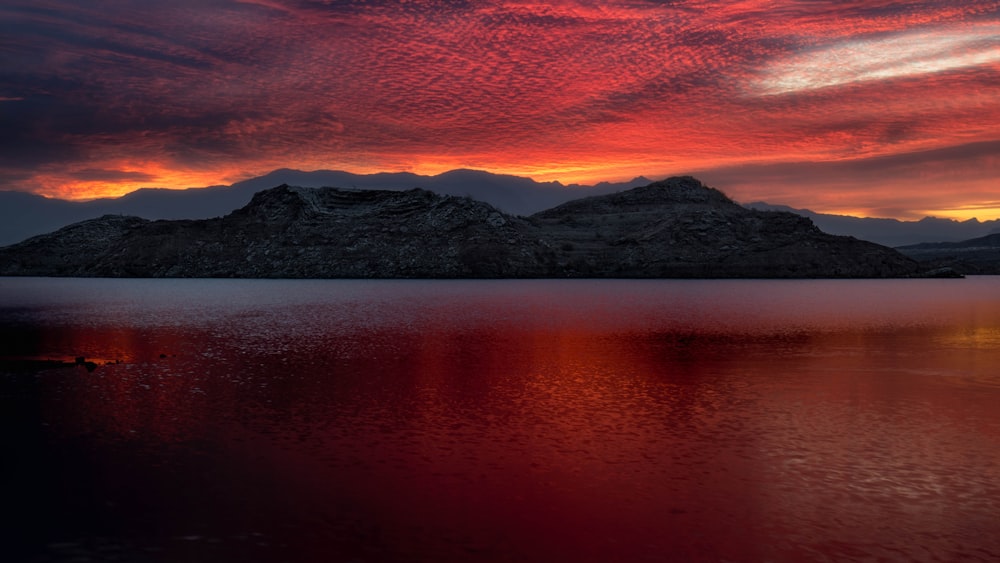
{"x": 677, "y": 228}
{"x": 24, "y": 215}
{"x": 892, "y": 232}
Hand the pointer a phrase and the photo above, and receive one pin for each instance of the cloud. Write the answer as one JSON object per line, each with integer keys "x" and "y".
{"x": 931, "y": 181}
{"x": 99, "y": 175}
{"x": 906, "y": 54}
{"x": 572, "y": 90}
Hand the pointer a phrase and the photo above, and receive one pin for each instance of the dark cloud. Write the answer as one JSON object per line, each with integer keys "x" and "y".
{"x": 28, "y": 139}
{"x": 905, "y": 185}
{"x": 888, "y": 165}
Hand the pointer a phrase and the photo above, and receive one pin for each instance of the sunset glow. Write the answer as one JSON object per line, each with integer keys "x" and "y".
{"x": 885, "y": 108}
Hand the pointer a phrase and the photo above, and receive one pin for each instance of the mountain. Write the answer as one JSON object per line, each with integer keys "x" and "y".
{"x": 674, "y": 228}
{"x": 975, "y": 256}
{"x": 24, "y": 215}
{"x": 891, "y": 232}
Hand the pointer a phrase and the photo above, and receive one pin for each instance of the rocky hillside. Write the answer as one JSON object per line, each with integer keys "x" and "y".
{"x": 674, "y": 228}
{"x": 975, "y": 256}
{"x": 681, "y": 228}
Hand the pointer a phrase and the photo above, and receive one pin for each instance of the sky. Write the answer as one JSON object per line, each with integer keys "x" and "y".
{"x": 873, "y": 108}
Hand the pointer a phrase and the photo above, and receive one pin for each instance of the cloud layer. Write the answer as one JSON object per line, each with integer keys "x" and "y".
{"x": 99, "y": 98}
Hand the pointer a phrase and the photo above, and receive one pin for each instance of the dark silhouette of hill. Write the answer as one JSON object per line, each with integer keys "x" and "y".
{"x": 677, "y": 228}
{"x": 25, "y": 215}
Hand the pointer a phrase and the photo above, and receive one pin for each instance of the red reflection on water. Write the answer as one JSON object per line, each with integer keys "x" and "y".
{"x": 501, "y": 443}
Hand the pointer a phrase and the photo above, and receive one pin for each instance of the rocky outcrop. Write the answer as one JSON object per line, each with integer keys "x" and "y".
{"x": 674, "y": 228}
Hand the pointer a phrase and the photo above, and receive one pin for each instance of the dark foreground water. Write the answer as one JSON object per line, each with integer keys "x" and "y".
{"x": 501, "y": 420}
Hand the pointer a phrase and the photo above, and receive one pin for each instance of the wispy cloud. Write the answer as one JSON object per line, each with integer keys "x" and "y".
{"x": 905, "y": 54}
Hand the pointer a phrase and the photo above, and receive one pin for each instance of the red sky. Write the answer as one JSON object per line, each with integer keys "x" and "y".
{"x": 878, "y": 108}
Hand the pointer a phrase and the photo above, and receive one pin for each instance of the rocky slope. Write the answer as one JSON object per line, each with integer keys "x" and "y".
{"x": 674, "y": 228}
{"x": 680, "y": 228}
{"x": 975, "y": 256}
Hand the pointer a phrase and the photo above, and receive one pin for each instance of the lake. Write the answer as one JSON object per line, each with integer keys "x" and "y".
{"x": 532, "y": 420}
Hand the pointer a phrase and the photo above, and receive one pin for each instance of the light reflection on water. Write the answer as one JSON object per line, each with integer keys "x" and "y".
{"x": 502, "y": 421}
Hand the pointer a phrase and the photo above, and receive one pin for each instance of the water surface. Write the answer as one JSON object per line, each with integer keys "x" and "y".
{"x": 578, "y": 420}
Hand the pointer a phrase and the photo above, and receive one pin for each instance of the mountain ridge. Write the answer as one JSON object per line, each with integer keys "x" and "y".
{"x": 24, "y": 215}
{"x": 891, "y": 232}
{"x": 676, "y": 228}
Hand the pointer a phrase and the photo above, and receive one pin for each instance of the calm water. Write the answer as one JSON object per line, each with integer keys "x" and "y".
{"x": 502, "y": 420}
